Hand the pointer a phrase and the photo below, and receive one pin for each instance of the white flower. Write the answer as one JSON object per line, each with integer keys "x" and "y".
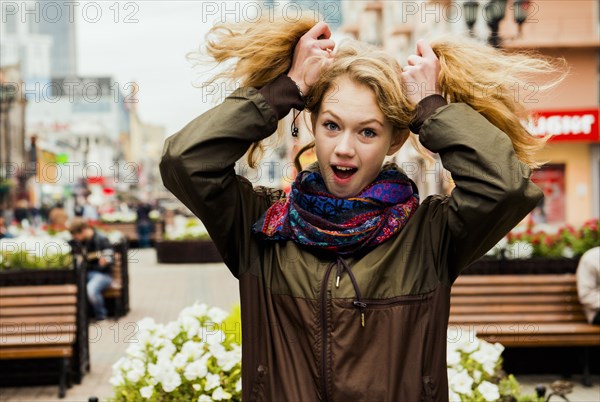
{"x": 180, "y": 360}
{"x": 172, "y": 329}
{"x": 213, "y": 338}
{"x": 121, "y": 364}
{"x": 217, "y": 350}
{"x": 170, "y": 381}
{"x": 489, "y": 367}
{"x": 451, "y": 373}
{"x": 568, "y": 252}
{"x": 166, "y": 352}
{"x": 146, "y": 324}
{"x": 193, "y": 349}
{"x": 468, "y": 345}
{"x": 477, "y": 376}
{"x": 136, "y": 351}
{"x": 238, "y": 385}
{"x": 204, "y": 398}
{"x": 228, "y": 360}
{"x": 136, "y": 371}
{"x": 212, "y": 381}
{"x": 489, "y": 391}
{"x": 196, "y": 369}
{"x": 217, "y": 315}
{"x": 196, "y": 387}
{"x": 147, "y": 391}
{"x": 117, "y": 380}
{"x": 461, "y": 383}
{"x": 190, "y": 324}
{"x": 453, "y": 358}
{"x": 487, "y": 354}
{"x": 453, "y": 397}
{"x": 519, "y": 249}
{"x": 220, "y": 394}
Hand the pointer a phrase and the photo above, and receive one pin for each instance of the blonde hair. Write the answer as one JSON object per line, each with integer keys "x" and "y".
{"x": 485, "y": 78}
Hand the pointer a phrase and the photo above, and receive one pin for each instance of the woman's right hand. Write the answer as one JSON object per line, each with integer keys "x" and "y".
{"x": 315, "y": 42}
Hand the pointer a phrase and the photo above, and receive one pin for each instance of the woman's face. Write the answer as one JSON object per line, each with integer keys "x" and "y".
{"x": 352, "y": 138}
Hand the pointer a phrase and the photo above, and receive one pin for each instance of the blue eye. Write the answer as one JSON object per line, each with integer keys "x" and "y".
{"x": 369, "y": 133}
{"x": 329, "y": 125}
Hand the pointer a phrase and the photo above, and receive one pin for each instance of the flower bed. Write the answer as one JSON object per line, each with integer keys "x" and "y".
{"x": 548, "y": 241}
{"x": 190, "y": 359}
{"x": 187, "y": 241}
{"x": 198, "y": 358}
{"x": 539, "y": 250}
{"x": 186, "y": 252}
{"x": 35, "y": 252}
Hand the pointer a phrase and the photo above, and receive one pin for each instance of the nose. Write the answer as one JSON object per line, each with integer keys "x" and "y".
{"x": 345, "y": 145}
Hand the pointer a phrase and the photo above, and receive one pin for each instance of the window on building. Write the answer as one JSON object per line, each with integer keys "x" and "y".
{"x": 551, "y": 209}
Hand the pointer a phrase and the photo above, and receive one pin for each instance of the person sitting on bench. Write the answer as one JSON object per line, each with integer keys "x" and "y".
{"x": 588, "y": 284}
{"x": 99, "y": 256}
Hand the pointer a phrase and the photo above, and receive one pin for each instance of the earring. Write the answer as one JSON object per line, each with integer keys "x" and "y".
{"x": 294, "y": 127}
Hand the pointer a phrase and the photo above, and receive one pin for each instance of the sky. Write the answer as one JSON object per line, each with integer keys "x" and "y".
{"x": 147, "y": 42}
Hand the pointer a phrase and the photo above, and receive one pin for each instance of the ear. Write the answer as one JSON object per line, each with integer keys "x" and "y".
{"x": 398, "y": 140}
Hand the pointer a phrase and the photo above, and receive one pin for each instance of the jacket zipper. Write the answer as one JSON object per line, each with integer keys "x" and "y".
{"x": 324, "y": 331}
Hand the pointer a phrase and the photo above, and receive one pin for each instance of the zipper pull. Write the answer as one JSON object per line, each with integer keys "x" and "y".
{"x": 361, "y": 305}
{"x": 338, "y": 276}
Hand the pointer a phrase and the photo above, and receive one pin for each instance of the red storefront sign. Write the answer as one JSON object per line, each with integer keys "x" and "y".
{"x": 566, "y": 125}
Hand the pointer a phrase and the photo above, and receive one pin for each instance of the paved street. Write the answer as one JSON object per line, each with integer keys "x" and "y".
{"x": 161, "y": 291}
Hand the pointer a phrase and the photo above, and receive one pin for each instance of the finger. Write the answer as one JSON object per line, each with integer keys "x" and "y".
{"x": 414, "y": 60}
{"x": 326, "y": 44}
{"x": 320, "y": 29}
{"x": 424, "y": 49}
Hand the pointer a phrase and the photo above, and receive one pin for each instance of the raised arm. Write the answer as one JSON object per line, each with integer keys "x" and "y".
{"x": 493, "y": 190}
{"x": 198, "y": 162}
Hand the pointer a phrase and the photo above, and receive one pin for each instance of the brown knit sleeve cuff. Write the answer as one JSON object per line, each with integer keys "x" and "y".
{"x": 425, "y": 108}
{"x": 283, "y": 95}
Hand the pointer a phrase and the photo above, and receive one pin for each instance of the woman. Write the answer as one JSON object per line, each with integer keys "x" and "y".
{"x": 345, "y": 283}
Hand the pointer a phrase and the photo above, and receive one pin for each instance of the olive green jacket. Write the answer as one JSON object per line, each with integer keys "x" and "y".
{"x": 303, "y": 333}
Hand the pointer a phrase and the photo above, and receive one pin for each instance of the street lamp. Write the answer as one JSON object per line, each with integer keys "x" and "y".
{"x": 471, "y": 14}
{"x": 493, "y": 12}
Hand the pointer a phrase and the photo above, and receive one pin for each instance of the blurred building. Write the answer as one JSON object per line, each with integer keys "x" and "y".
{"x": 570, "y": 113}
{"x": 41, "y": 36}
{"x": 13, "y": 157}
{"x": 80, "y": 123}
{"x": 144, "y": 150}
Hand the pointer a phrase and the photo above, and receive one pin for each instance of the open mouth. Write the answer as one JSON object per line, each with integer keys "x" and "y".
{"x": 342, "y": 172}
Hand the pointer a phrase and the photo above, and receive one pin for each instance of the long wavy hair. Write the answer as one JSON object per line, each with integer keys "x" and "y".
{"x": 487, "y": 79}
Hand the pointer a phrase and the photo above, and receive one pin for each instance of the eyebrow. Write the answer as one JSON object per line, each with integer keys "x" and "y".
{"x": 361, "y": 123}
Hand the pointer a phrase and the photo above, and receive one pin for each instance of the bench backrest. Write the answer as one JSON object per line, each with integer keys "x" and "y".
{"x": 38, "y": 315}
{"x": 480, "y": 299}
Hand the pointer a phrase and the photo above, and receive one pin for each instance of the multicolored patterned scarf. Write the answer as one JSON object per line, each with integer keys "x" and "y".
{"x": 313, "y": 217}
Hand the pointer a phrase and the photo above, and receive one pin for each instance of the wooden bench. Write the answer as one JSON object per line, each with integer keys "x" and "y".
{"x": 40, "y": 322}
{"x": 522, "y": 311}
{"x": 119, "y": 288}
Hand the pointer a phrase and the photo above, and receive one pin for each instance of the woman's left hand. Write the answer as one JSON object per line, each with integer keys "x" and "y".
{"x": 420, "y": 76}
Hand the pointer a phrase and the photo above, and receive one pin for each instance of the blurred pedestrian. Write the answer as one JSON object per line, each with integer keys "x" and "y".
{"x": 588, "y": 284}
{"x": 144, "y": 225}
{"x": 57, "y": 219}
{"x": 98, "y": 256}
{"x": 4, "y": 233}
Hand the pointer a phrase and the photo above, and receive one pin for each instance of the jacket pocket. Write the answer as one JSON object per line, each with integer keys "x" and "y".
{"x": 257, "y": 392}
{"x": 428, "y": 389}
